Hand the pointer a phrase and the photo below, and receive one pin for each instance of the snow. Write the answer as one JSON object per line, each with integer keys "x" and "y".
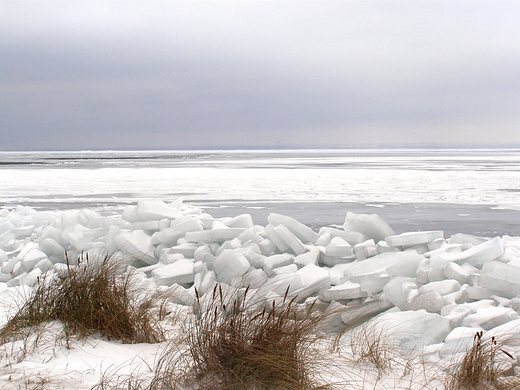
{"x": 428, "y": 292}
{"x": 402, "y": 176}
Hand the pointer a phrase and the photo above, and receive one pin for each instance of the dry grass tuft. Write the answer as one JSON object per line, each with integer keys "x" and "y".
{"x": 229, "y": 346}
{"x": 370, "y": 344}
{"x": 117, "y": 382}
{"x": 91, "y": 297}
{"x": 482, "y": 367}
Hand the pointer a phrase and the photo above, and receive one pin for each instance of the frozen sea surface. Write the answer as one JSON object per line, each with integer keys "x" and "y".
{"x": 470, "y": 191}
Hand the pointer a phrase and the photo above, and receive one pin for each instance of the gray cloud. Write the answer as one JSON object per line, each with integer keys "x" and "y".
{"x": 83, "y": 74}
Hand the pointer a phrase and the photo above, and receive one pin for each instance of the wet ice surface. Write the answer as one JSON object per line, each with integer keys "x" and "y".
{"x": 453, "y": 190}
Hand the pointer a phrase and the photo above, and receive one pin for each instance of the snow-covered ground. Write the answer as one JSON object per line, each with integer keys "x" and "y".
{"x": 430, "y": 292}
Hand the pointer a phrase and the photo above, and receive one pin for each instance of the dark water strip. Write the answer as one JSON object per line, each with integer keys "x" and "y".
{"x": 481, "y": 220}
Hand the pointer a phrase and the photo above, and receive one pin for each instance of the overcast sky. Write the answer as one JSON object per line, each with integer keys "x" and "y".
{"x": 84, "y": 74}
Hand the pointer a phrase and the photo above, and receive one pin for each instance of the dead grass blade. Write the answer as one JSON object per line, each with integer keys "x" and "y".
{"x": 93, "y": 296}
{"x": 482, "y": 367}
{"x": 229, "y": 346}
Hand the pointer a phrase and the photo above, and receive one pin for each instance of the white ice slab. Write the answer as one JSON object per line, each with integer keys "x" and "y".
{"x": 443, "y": 287}
{"x": 456, "y": 314}
{"x": 244, "y": 221}
{"x": 371, "y": 226}
{"x": 406, "y": 266}
{"x": 352, "y": 238}
{"x": 338, "y": 247}
{"x": 230, "y": 266}
{"x": 33, "y": 257}
{"x": 290, "y": 239}
{"x": 180, "y": 272}
{"x": 138, "y": 245}
{"x": 154, "y": 210}
{"x": 479, "y": 254}
{"x": 459, "y": 340}
{"x": 170, "y": 235}
{"x": 276, "y": 261}
{"x": 310, "y": 257}
{"x": 398, "y": 291}
{"x": 377, "y": 265}
{"x": 364, "y": 250}
{"x": 314, "y": 279}
{"x": 501, "y": 278}
{"x": 431, "y": 301}
{"x": 413, "y": 330}
{"x": 276, "y": 239}
{"x": 460, "y": 273}
{"x": 304, "y": 233}
{"x": 213, "y": 235}
{"x": 490, "y": 317}
{"x": 347, "y": 290}
{"x": 414, "y": 238}
{"x": 431, "y": 270}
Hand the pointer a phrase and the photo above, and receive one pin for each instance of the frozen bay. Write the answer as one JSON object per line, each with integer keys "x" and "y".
{"x": 471, "y": 191}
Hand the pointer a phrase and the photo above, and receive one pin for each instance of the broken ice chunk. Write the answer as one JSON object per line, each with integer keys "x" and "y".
{"x": 371, "y": 226}
{"x": 138, "y": 245}
{"x": 456, "y": 313}
{"x": 33, "y": 257}
{"x": 460, "y": 273}
{"x": 230, "y": 266}
{"x": 338, "y": 247}
{"x": 461, "y": 238}
{"x": 180, "y": 272}
{"x": 490, "y": 317}
{"x": 310, "y": 257}
{"x": 314, "y": 279}
{"x": 154, "y": 210}
{"x": 414, "y": 238}
{"x": 347, "y": 290}
{"x": 413, "y": 330}
{"x": 500, "y": 277}
{"x": 213, "y": 235}
{"x": 443, "y": 287}
{"x": 170, "y": 235}
{"x": 187, "y": 249}
{"x": 377, "y": 265}
{"x": 304, "y": 233}
{"x": 352, "y": 238}
{"x": 431, "y": 301}
{"x": 365, "y": 250}
{"x": 275, "y": 237}
{"x": 407, "y": 266}
{"x": 460, "y": 339}
{"x": 276, "y": 261}
{"x": 241, "y": 221}
{"x": 398, "y": 291}
{"x": 294, "y": 243}
{"x": 479, "y": 254}
{"x": 282, "y": 283}
{"x": 431, "y": 270}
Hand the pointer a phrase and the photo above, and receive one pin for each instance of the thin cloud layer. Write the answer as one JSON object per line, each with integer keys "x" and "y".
{"x": 224, "y": 74}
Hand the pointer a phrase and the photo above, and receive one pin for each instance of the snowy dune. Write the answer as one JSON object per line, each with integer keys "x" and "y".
{"x": 431, "y": 292}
